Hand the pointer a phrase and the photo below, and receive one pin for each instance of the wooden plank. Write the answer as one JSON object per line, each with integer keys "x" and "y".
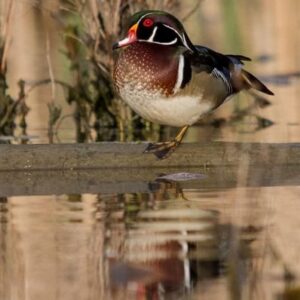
{"x": 130, "y": 155}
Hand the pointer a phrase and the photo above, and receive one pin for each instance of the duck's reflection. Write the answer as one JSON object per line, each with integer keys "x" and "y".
{"x": 128, "y": 246}
{"x": 170, "y": 243}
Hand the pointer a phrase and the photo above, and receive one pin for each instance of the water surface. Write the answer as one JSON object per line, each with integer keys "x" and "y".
{"x": 151, "y": 239}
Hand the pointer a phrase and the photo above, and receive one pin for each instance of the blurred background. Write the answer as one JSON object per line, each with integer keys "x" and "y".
{"x": 219, "y": 238}
{"x": 56, "y": 62}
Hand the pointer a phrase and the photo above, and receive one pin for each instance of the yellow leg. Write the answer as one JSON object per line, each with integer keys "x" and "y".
{"x": 165, "y": 149}
{"x": 181, "y": 134}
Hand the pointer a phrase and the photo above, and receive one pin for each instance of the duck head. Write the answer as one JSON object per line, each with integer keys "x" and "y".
{"x": 156, "y": 27}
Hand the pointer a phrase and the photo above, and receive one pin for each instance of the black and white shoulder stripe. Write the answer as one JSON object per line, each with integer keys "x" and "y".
{"x": 184, "y": 73}
{"x": 218, "y": 74}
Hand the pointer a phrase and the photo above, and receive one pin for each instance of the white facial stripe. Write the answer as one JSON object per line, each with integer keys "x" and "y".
{"x": 160, "y": 43}
{"x": 182, "y": 37}
{"x": 185, "y": 43}
{"x": 179, "y": 74}
{"x": 171, "y": 29}
{"x": 151, "y": 38}
{"x": 142, "y": 17}
{"x": 169, "y": 43}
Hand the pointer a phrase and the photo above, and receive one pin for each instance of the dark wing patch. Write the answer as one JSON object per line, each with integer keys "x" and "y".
{"x": 215, "y": 63}
{"x": 228, "y": 68}
{"x": 213, "y": 58}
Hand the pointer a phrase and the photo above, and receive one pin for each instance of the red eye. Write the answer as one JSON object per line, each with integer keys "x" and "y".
{"x": 148, "y": 22}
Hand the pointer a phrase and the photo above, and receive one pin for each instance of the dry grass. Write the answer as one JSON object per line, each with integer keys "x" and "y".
{"x": 90, "y": 27}
{"x": 95, "y": 25}
{"x": 89, "y": 46}
{"x": 9, "y": 108}
{"x": 7, "y": 8}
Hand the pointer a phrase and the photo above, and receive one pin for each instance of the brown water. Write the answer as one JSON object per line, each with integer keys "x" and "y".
{"x": 201, "y": 238}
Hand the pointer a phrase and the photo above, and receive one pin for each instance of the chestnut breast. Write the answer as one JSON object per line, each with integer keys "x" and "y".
{"x": 144, "y": 66}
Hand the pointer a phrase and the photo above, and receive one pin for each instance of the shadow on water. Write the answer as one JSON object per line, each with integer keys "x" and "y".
{"x": 147, "y": 234}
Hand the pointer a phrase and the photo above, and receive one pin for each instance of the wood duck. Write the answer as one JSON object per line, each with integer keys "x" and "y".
{"x": 166, "y": 79}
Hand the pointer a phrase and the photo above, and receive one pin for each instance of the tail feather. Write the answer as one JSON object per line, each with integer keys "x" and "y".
{"x": 250, "y": 81}
{"x": 239, "y": 58}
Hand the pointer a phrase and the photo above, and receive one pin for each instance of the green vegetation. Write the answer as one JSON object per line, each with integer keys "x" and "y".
{"x": 89, "y": 29}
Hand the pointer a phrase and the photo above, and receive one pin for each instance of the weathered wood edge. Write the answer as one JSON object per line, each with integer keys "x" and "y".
{"x": 130, "y": 155}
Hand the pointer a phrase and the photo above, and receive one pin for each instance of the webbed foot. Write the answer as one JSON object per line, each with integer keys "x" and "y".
{"x": 165, "y": 149}
{"x": 162, "y": 150}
